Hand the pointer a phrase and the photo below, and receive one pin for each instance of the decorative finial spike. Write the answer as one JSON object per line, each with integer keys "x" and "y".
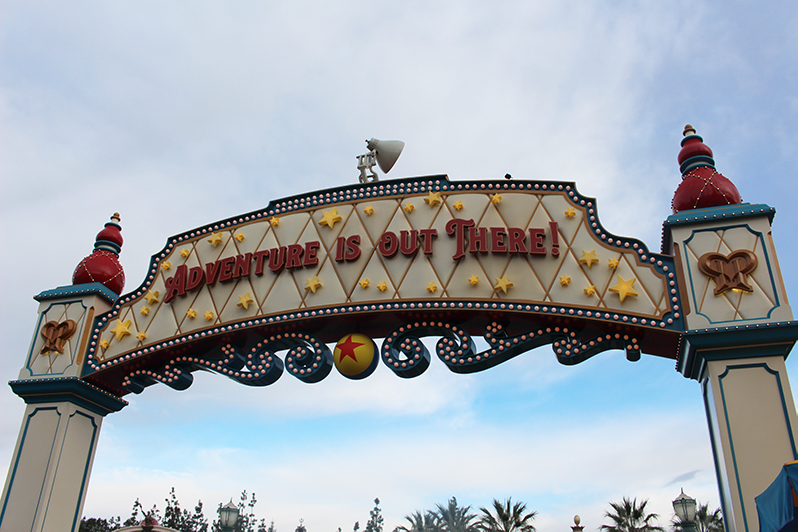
{"x": 688, "y": 130}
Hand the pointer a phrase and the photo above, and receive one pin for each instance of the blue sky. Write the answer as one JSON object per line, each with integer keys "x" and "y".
{"x": 177, "y": 115}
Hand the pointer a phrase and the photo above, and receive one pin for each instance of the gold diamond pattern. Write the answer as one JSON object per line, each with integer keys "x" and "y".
{"x": 534, "y": 278}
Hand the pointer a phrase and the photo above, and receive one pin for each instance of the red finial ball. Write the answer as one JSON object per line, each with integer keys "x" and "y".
{"x": 103, "y": 266}
{"x": 702, "y": 186}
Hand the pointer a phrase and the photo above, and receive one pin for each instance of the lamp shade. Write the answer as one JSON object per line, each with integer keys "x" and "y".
{"x": 387, "y": 152}
{"x": 684, "y": 506}
{"x": 228, "y": 515}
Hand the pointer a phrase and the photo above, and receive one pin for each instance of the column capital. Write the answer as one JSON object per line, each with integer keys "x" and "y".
{"x": 68, "y": 389}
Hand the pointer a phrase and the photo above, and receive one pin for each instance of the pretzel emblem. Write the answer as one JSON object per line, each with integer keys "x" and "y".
{"x": 729, "y": 272}
{"x": 56, "y": 334}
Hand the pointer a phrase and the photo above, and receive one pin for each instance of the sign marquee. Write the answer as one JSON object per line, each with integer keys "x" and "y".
{"x": 521, "y": 263}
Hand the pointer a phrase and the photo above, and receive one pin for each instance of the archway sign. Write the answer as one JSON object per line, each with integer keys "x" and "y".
{"x": 521, "y": 263}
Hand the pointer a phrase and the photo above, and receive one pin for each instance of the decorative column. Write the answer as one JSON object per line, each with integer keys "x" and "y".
{"x": 49, "y": 473}
{"x": 740, "y": 329}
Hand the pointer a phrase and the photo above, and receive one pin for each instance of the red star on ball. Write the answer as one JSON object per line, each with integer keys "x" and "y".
{"x": 347, "y": 348}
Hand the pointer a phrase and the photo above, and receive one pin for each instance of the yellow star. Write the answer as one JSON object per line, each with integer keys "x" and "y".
{"x": 209, "y": 315}
{"x": 433, "y": 199}
{"x": 141, "y": 336}
{"x": 495, "y": 199}
{"x": 330, "y": 217}
{"x": 104, "y": 343}
{"x": 624, "y": 288}
{"x": 613, "y": 263}
{"x": 409, "y": 207}
{"x": 590, "y": 290}
{"x": 570, "y": 212}
{"x": 166, "y": 265}
{"x": 152, "y": 296}
{"x": 244, "y": 301}
{"x": 275, "y": 221}
{"x": 184, "y": 252}
{"x": 502, "y": 284}
{"x": 458, "y": 205}
{"x": 564, "y": 280}
{"x": 474, "y": 279}
{"x": 588, "y": 258}
{"x": 122, "y": 329}
{"x": 369, "y": 210}
{"x": 191, "y": 313}
{"x": 431, "y": 287}
{"x": 382, "y": 286}
{"x": 145, "y": 310}
{"x": 239, "y": 236}
{"x": 364, "y": 283}
{"x": 313, "y": 284}
{"x": 215, "y": 239}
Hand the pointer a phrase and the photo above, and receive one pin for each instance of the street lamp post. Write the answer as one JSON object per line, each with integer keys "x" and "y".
{"x": 228, "y": 516}
{"x": 684, "y": 506}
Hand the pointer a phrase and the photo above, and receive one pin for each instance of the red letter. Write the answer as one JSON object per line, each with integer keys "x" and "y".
{"x": 536, "y": 242}
{"x": 388, "y": 244}
{"x": 226, "y": 273}
{"x": 310, "y": 253}
{"x": 277, "y": 259}
{"x": 516, "y": 244}
{"x": 260, "y": 256}
{"x": 457, "y": 227}
{"x": 195, "y": 278}
{"x": 408, "y": 246}
{"x": 352, "y": 248}
{"x": 176, "y": 285}
{"x": 339, "y": 249}
{"x": 426, "y": 239}
{"x": 243, "y": 263}
{"x": 497, "y": 243}
{"x": 293, "y": 256}
{"x": 477, "y": 240}
{"x": 211, "y": 271}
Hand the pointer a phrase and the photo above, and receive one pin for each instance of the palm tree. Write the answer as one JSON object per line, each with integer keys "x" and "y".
{"x": 427, "y": 522}
{"x": 628, "y": 516}
{"x": 704, "y": 520}
{"x": 456, "y": 519}
{"x": 508, "y": 518}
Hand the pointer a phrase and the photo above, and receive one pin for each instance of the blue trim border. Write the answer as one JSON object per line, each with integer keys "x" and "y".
{"x": 68, "y": 389}
{"x": 78, "y": 289}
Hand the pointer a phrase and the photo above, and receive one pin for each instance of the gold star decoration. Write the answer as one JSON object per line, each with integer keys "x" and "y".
{"x": 184, "y": 252}
{"x": 570, "y": 212}
{"x": 564, "y": 280}
{"x": 166, "y": 265}
{"x": 191, "y": 313}
{"x": 433, "y": 198}
{"x": 104, "y": 343}
{"x": 209, "y": 315}
{"x": 613, "y": 263}
{"x": 215, "y": 239}
{"x": 458, "y": 205}
{"x": 624, "y": 288}
{"x": 364, "y": 283}
{"x": 503, "y": 284}
{"x": 382, "y": 286}
{"x": 141, "y": 336}
{"x": 274, "y": 221}
{"x": 245, "y": 300}
{"x": 152, "y": 296}
{"x": 330, "y": 217}
{"x": 369, "y": 210}
{"x": 239, "y": 236}
{"x": 121, "y": 329}
{"x": 495, "y": 199}
{"x": 431, "y": 287}
{"x": 313, "y": 284}
{"x": 145, "y": 310}
{"x": 474, "y": 280}
{"x": 590, "y": 290}
{"x": 409, "y": 207}
{"x": 588, "y": 258}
